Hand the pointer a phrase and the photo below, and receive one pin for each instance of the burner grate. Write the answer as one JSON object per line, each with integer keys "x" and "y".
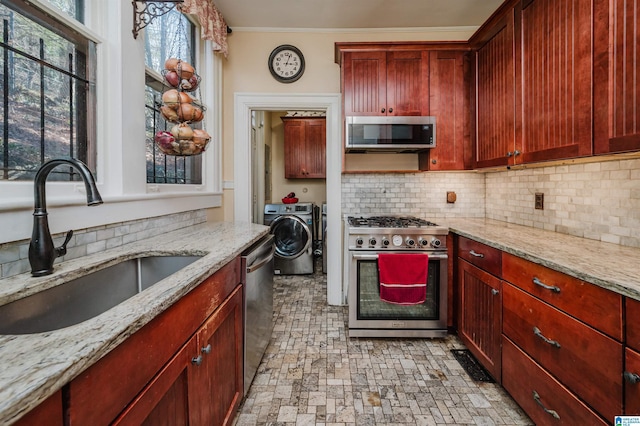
{"x": 389, "y": 222}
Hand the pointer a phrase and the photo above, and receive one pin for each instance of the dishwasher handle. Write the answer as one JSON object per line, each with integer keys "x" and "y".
{"x": 263, "y": 261}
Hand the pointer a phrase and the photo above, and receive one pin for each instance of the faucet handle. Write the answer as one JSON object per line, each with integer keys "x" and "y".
{"x": 62, "y": 250}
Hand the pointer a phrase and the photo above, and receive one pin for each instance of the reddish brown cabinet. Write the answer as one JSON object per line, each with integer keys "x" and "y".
{"x": 385, "y": 82}
{"x": 49, "y": 413}
{"x": 449, "y": 103}
{"x": 156, "y": 377}
{"x": 304, "y": 147}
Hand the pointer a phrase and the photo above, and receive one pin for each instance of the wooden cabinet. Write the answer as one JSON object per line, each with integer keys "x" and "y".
{"x": 385, "y": 82}
{"x": 631, "y": 373}
{"x": 480, "y": 310}
{"x": 449, "y": 103}
{"x": 495, "y": 97}
{"x": 49, "y": 413}
{"x": 304, "y": 148}
{"x": 534, "y": 86}
{"x": 616, "y": 80}
{"x": 152, "y": 378}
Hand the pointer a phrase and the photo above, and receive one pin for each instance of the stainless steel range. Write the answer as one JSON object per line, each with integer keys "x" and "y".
{"x": 369, "y": 315}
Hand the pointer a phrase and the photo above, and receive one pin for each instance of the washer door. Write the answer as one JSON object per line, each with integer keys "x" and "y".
{"x": 292, "y": 236}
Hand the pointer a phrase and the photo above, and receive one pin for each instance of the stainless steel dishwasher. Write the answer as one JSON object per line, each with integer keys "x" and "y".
{"x": 257, "y": 271}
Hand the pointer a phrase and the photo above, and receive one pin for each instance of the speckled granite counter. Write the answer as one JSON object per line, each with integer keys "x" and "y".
{"x": 608, "y": 265}
{"x": 37, "y": 365}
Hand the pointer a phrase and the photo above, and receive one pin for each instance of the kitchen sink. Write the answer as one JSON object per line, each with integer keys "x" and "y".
{"x": 88, "y": 296}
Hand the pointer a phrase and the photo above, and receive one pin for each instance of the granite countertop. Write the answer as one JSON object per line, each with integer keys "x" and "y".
{"x": 607, "y": 265}
{"x": 35, "y": 366}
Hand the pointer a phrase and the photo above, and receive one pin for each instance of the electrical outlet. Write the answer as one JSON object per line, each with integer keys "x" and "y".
{"x": 539, "y": 201}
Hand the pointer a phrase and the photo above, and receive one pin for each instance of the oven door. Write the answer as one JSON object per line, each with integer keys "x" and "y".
{"x": 371, "y": 316}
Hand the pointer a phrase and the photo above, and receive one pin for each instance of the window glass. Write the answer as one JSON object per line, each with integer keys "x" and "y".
{"x": 47, "y": 88}
{"x": 73, "y": 8}
{"x": 169, "y": 36}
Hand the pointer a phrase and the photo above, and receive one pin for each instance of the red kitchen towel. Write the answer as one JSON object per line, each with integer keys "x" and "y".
{"x": 403, "y": 277}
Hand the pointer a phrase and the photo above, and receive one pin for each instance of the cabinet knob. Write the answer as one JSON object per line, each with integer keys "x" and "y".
{"x": 382, "y": 110}
{"x": 495, "y": 291}
{"x": 516, "y": 153}
{"x": 206, "y": 349}
{"x": 509, "y": 154}
{"x": 632, "y": 378}
{"x": 196, "y": 360}
{"x": 390, "y": 110}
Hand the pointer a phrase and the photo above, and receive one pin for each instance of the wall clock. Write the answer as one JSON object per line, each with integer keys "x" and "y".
{"x": 286, "y": 63}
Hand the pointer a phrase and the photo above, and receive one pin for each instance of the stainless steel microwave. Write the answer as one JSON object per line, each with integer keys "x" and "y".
{"x": 390, "y": 133}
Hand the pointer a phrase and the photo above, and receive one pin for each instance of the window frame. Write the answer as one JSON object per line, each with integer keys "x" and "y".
{"x": 120, "y": 158}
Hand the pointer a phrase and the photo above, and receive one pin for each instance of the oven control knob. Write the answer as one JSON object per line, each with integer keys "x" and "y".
{"x": 372, "y": 241}
{"x": 435, "y": 243}
{"x": 359, "y": 241}
{"x": 422, "y": 242}
{"x": 410, "y": 241}
{"x": 385, "y": 242}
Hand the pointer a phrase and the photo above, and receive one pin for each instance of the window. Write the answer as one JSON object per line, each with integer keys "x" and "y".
{"x": 47, "y": 91}
{"x": 169, "y": 36}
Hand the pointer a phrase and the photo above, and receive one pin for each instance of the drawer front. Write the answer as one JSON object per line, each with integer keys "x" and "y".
{"x": 632, "y": 308}
{"x": 631, "y": 388}
{"x": 541, "y": 396}
{"x": 598, "y": 307}
{"x": 481, "y": 255}
{"x": 583, "y": 359}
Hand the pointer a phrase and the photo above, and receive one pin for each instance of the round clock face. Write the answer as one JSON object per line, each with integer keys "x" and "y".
{"x": 286, "y": 63}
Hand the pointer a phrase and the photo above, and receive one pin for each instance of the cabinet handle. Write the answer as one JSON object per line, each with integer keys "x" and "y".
{"x": 196, "y": 360}
{"x": 390, "y": 110}
{"x": 206, "y": 349}
{"x": 553, "y": 413}
{"x": 495, "y": 291}
{"x": 632, "y": 378}
{"x": 539, "y": 283}
{"x": 473, "y": 253}
{"x": 383, "y": 110}
{"x": 509, "y": 154}
{"x": 516, "y": 153}
{"x": 538, "y": 333}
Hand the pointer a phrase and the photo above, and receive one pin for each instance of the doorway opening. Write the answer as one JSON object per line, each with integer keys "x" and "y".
{"x": 244, "y": 105}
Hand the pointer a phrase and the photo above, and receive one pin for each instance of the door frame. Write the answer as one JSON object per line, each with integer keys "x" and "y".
{"x": 244, "y": 103}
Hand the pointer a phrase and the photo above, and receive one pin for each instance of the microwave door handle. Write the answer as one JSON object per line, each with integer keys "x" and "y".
{"x": 435, "y": 256}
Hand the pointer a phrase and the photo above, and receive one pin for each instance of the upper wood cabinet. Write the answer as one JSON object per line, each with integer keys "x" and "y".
{"x": 616, "y": 78}
{"x": 495, "y": 97}
{"x": 386, "y": 82}
{"x": 534, "y": 87}
{"x": 449, "y": 103}
{"x": 305, "y": 147}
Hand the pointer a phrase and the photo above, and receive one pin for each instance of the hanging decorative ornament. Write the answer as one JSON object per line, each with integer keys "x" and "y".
{"x": 180, "y": 108}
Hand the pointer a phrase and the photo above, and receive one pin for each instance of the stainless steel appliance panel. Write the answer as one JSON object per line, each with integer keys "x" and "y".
{"x": 257, "y": 267}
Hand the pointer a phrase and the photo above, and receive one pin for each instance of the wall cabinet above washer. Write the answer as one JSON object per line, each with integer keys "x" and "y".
{"x": 305, "y": 147}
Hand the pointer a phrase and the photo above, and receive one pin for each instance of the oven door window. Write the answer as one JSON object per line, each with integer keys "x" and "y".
{"x": 371, "y": 307}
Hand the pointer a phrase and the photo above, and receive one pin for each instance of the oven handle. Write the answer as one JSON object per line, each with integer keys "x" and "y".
{"x": 436, "y": 256}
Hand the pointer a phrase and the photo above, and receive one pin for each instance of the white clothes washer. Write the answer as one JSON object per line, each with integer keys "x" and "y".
{"x": 292, "y": 226}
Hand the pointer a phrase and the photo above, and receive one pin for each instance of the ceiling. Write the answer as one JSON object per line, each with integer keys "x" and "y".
{"x": 355, "y": 14}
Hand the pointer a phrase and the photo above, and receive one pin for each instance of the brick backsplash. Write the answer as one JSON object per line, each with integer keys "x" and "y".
{"x": 14, "y": 256}
{"x": 599, "y": 201}
{"x": 417, "y": 194}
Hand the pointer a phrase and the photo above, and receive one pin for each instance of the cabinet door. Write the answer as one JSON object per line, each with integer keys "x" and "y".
{"x": 449, "y": 104}
{"x": 364, "y": 83}
{"x": 165, "y": 400}
{"x": 556, "y": 78}
{"x": 495, "y": 99}
{"x": 631, "y": 383}
{"x": 315, "y": 148}
{"x": 616, "y": 79}
{"x": 217, "y": 386}
{"x": 407, "y": 83}
{"x": 294, "y": 149}
{"x": 481, "y": 316}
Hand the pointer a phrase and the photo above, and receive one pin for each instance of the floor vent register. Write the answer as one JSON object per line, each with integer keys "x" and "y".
{"x": 472, "y": 366}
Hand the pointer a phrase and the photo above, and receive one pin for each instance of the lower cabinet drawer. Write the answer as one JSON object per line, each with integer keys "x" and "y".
{"x": 541, "y": 396}
{"x": 580, "y": 357}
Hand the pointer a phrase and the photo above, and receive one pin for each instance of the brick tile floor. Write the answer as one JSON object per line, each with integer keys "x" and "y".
{"x": 314, "y": 374}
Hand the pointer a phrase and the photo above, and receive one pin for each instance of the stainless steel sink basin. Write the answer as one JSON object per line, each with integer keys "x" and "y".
{"x": 88, "y": 296}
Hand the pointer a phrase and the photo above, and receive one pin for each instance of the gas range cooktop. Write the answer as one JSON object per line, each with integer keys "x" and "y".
{"x": 395, "y": 233}
{"x": 388, "y": 222}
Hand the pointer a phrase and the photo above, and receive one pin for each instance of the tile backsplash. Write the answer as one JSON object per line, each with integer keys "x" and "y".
{"x": 417, "y": 194}
{"x": 14, "y": 256}
{"x": 599, "y": 201}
